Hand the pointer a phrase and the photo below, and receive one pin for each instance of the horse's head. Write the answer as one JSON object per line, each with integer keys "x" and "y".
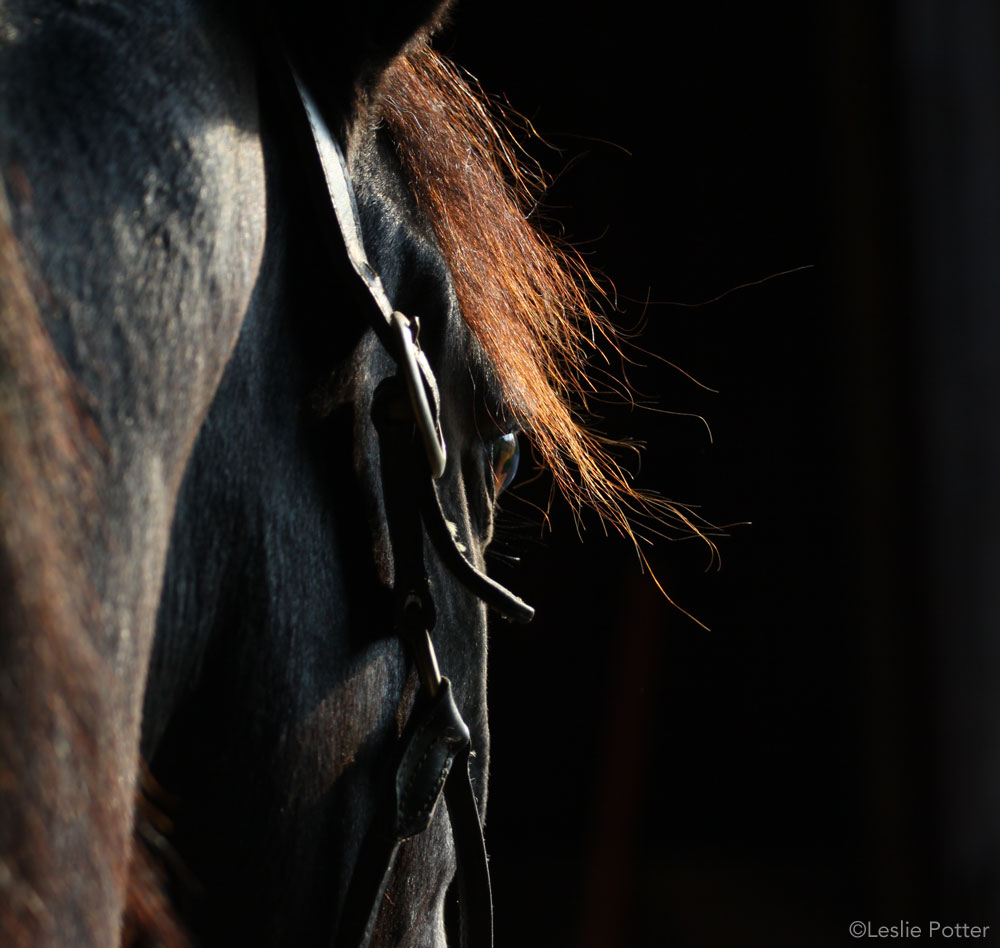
{"x": 217, "y": 384}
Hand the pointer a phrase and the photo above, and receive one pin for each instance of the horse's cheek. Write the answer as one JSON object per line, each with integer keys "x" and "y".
{"x": 233, "y": 259}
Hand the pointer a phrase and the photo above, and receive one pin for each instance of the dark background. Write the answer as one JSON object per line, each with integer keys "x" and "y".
{"x": 827, "y": 752}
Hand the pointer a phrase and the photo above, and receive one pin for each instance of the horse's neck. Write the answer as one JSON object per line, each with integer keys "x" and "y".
{"x": 132, "y": 205}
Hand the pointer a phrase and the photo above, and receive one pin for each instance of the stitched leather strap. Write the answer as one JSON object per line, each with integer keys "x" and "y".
{"x": 436, "y": 747}
{"x": 434, "y": 758}
{"x": 440, "y": 531}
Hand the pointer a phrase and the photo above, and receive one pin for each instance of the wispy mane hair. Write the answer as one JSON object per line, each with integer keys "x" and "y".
{"x": 528, "y": 298}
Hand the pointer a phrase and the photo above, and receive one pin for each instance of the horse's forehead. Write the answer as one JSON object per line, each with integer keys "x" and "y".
{"x": 403, "y": 249}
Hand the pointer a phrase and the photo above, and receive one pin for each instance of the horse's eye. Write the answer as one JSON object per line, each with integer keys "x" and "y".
{"x": 504, "y": 455}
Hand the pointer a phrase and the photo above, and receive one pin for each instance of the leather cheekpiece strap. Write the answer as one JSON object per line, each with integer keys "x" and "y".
{"x": 427, "y": 760}
{"x": 436, "y": 748}
{"x": 396, "y": 331}
{"x": 439, "y": 529}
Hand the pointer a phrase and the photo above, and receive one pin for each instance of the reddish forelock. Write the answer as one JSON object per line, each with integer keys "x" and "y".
{"x": 528, "y": 299}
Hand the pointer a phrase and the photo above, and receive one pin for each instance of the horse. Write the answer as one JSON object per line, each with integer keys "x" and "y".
{"x": 212, "y": 486}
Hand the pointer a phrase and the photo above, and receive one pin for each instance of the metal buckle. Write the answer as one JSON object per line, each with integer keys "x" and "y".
{"x": 415, "y": 371}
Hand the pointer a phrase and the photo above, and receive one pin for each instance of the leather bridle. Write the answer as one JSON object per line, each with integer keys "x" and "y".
{"x": 434, "y": 750}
